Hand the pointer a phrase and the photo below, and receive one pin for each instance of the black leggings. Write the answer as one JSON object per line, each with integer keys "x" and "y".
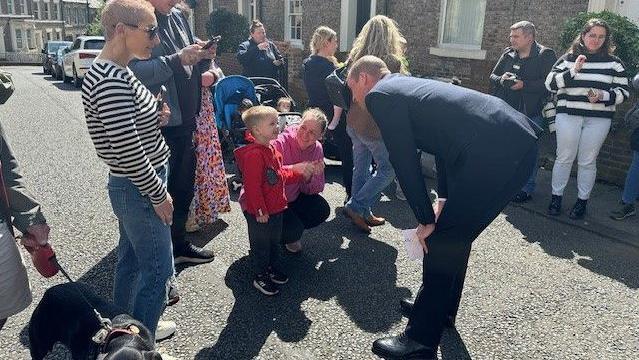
{"x": 305, "y": 212}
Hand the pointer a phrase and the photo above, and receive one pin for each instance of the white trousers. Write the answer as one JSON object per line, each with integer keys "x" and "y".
{"x": 580, "y": 137}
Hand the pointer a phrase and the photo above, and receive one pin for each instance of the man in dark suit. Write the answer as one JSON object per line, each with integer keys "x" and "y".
{"x": 484, "y": 150}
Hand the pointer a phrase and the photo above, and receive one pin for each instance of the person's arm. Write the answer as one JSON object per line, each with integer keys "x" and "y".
{"x": 620, "y": 90}
{"x": 498, "y": 71}
{"x": 560, "y": 76}
{"x": 23, "y": 207}
{"x": 397, "y": 132}
{"x": 246, "y": 53}
{"x": 156, "y": 71}
{"x": 124, "y": 139}
{"x": 337, "y": 115}
{"x": 538, "y": 86}
{"x": 315, "y": 184}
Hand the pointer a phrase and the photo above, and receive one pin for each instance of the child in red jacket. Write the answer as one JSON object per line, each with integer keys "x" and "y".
{"x": 262, "y": 198}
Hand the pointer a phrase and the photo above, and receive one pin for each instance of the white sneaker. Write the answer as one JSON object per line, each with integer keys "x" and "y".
{"x": 165, "y": 330}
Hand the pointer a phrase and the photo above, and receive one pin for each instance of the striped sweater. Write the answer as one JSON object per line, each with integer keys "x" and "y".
{"x": 600, "y": 71}
{"x": 121, "y": 115}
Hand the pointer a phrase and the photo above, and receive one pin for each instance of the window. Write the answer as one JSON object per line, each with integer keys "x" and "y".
{"x": 19, "y": 43}
{"x": 48, "y": 35}
{"x": 46, "y": 11}
{"x": 55, "y": 12}
{"x": 30, "y": 39}
{"x": 36, "y": 10}
{"x": 293, "y": 22}
{"x": 248, "y": 8}
{"x": 10, "y": 8}
{"x": 462, "y": 23}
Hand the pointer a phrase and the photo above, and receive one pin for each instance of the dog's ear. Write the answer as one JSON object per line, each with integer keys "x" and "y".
{"x": 152, "y": 355}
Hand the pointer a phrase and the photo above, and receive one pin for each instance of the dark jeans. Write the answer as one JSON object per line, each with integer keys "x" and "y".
{"x": 180, "y": 185}
{"x": 265, "y": 242}
{"x": 470, "y": 208}
{"x": 345, "y": 146}
{"x": 305, "y": 212}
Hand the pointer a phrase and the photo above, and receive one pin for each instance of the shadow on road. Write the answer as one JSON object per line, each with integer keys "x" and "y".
{"x": 357, "y": 271}
{"x": 602, "y": 256}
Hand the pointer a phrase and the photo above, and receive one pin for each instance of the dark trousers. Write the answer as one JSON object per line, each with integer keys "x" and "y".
{"x": 345, "y": 146}
{"x": 180, "y": 185}
{"x": 265, "y": 242}
{"x": 482, "y": 186}
{"x": 305, "y": 212}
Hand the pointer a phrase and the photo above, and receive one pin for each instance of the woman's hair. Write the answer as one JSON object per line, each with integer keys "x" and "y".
{"x": 380, "y": 37}
{"x": 123, "y": 11}
{"x": 317, "y": 115}
{"x": 255, "y": 24}
{"x": 321, "y": 36}
{"x": 578, "y": 47}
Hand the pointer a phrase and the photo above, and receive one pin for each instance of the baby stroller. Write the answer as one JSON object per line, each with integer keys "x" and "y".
{"x": 229, "y": 93}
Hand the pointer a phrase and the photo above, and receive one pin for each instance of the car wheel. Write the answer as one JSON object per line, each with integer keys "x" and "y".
{"x": 77, "y": 82}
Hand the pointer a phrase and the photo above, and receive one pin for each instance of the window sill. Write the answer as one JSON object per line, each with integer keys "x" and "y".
{"x": 458, "y": 53}
{"x": 297, "y": 44}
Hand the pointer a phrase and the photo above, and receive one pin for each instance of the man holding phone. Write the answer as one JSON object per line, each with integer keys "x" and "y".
{"x": 177, "y": 63}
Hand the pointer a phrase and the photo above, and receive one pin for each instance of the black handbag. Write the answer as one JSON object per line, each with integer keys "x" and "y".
{"x": 337, "y": 88}
{"x": 6, "y": 86}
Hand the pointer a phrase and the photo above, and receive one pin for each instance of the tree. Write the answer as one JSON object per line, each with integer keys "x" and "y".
{"x": 232, "y": 27}
{"x": 625, "y": 35}
{"x": 95, "y": 27}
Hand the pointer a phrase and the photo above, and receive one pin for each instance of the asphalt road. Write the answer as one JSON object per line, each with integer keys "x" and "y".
{"x": 536, "y": 289}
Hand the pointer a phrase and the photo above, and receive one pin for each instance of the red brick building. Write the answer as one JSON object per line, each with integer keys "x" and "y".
{"x": 445, "y": 38}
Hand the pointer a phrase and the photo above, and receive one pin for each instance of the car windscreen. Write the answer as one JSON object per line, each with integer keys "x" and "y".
{"x": 53, "y": 47}
{"x": 94, "y": 44}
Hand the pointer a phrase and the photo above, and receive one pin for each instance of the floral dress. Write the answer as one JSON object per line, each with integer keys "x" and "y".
{"x": 211, "y": 195}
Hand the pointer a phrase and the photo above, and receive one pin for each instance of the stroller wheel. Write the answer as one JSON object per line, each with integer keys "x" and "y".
{"x": 236, "y": 185}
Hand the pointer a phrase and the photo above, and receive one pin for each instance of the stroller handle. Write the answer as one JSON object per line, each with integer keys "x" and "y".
{"x": 264, "y": 81}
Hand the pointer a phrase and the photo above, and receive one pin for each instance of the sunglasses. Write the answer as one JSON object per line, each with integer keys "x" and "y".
{"x": 152, "y": 31}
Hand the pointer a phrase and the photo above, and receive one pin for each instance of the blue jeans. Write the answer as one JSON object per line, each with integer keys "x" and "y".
{"x": 367, "y": 187}
{"x": 529, "y": 187}
{"x": 145, "y": 253}
{"x": 631, "y": 188}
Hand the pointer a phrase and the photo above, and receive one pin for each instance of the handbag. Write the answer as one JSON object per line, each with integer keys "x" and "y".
{"x": 6, "y": 86}
{"x": 338, "y": 90}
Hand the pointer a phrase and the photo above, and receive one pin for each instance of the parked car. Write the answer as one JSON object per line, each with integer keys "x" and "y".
{"x": 57, "y": 65}
{"x": 78, "y": 60}
{"x": 49, "y": 54}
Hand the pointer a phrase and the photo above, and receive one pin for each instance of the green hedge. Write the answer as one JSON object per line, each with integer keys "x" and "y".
{"x": 625, "y": 35}
{"x": 233, "y": 27}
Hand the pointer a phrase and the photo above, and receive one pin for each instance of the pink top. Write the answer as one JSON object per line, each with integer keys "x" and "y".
{"x": 287, "y": 145}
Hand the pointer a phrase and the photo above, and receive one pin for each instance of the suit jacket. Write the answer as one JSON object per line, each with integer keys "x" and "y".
{"x": 451, "y": 123}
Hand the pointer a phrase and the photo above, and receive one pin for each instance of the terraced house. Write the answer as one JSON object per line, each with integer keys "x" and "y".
{"x": 25, "y": 25}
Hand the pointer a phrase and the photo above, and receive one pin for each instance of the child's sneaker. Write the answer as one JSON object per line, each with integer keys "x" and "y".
{"x": 264, "y": 284}
{"x": 277, "y": 277}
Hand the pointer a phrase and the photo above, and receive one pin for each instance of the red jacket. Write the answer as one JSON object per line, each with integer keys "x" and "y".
{"x": 263, "y": 178}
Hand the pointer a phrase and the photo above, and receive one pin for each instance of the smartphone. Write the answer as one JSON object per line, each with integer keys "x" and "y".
{"x": 161, "y": 97}
{"x": 592, "y": 92}
{"x": 214, "y": 40}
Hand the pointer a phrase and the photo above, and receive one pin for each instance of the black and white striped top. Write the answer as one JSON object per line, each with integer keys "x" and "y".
{"x": 122, "y": 120}
{"x": 600, "y": 71}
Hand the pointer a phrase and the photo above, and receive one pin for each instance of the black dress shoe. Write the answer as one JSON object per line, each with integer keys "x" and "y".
{"x": 554, "y": 209}
{"x": 521, "y": 197}
{"x": 402, "y": 347}
{"x": 579, "y": 210}
{"x": 406, "y": 306}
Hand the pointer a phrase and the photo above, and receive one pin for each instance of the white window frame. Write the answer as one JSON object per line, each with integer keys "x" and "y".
{"x": 348, "y": 22}
{"x": 297, "y": 43}
{"x": 47, "y": 11}
{"x": 456, "y": 50}
{"x": 16, "y": 32}
{"x": 35, "y": 9}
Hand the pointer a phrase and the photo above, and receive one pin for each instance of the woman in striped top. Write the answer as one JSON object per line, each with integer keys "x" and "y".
{"x": 589, "y": 82}
{"x": 122, "y": 117}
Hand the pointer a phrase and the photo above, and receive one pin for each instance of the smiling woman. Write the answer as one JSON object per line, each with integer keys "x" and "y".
{"x": 123, "y": 120}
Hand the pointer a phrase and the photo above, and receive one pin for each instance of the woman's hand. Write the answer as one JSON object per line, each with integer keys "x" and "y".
{"x": 164, "y": 210}
{"x": 164, "y": 115}
{"x": 305, "y": 168}
{"x": 318, "y": 167}
{"x": 595, "y": 95}
{"x": 208, "y": 78}
{"x": 579, "y": 63}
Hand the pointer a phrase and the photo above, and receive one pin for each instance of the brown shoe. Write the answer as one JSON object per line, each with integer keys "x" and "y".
{"x": 375, "y": 220}
{"x": 357, "y": 219}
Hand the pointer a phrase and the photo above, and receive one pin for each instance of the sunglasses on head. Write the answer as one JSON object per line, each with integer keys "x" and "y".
{"x": 152, "y": 30}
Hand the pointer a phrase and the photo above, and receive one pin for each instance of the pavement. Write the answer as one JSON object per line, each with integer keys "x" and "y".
{"x": 536, "y": 287}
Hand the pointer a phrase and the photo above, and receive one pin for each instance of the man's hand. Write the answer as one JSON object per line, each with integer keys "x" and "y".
{"x": 423, "y": 232}
{"x": 263, "y": 45}
{"x": 438, "y": 206}
{"x": 278, "y": 62}
{"x": 164, "y": 210}
{"x": 518, "y": 85}
{"x": 506, "y": 75}
{"x": 579, "y": 63}
{"x": 262, "y": 219}
{"x": 191, "y": 54}
{"x": 38, "y": 233}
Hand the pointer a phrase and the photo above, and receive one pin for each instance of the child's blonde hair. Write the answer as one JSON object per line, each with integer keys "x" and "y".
{"x": 285, "y": 100}
{"x": 255, "y": 115}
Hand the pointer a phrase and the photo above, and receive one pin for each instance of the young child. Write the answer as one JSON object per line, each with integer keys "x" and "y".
{"x": 284, "y": 105}
{"x": 262, "y": 198}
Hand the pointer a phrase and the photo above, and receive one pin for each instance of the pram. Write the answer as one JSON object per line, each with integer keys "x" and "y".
{"x": 229, "y": 93}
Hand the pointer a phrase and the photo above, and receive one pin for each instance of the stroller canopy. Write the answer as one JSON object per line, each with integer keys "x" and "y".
{"x": 229, "y": 93}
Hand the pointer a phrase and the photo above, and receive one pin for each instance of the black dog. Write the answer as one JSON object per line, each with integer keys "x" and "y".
{"x": 66, "y": 315}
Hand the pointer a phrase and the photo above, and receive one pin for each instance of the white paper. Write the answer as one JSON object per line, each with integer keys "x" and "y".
{"x": 412, "y": 245}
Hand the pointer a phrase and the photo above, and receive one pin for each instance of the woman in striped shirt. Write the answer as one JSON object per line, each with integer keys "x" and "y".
{"x": 589, "y": 81}
{"x": 123, "y": 121}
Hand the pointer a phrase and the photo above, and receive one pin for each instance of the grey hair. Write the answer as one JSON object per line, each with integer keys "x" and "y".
{"x": 526, "y": 27}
